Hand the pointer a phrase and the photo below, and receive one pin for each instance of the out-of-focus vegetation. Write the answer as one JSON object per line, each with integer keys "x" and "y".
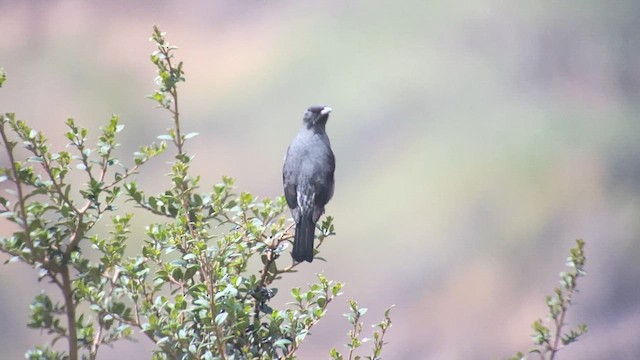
{"x": 554, "y": 334}
{"x": 471, "y": 140}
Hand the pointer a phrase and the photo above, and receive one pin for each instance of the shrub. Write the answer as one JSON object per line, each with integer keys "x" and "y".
{"x": 194, "y": 289}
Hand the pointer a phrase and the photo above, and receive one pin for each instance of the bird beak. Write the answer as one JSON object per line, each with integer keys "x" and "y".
{"x": 326, "y": 110}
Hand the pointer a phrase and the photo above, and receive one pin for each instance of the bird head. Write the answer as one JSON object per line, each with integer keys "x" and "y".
{"x": 316, "y": 115}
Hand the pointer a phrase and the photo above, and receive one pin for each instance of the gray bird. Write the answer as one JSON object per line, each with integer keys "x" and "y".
{"x": 307, "y": 176}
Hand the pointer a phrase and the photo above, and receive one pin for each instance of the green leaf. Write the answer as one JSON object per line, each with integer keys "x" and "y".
{"x": 282, "y": 343}
{"x": 190, "y": 135}
{"x": 220, "y": 318}
{"x": 3, "y": 77}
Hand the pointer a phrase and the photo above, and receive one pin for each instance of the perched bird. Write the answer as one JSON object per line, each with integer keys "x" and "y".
{"x": 307, "y": 176}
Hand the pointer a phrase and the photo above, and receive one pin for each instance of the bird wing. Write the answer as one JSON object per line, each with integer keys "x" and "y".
{"x": 325, "y": 183}
{"x": 289, "y": 181}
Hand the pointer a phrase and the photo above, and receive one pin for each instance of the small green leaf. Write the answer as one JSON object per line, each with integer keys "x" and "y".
{"x": 220, "y": 318}
{"x": 282, "y": 343}
{"x": 190, "y": 135}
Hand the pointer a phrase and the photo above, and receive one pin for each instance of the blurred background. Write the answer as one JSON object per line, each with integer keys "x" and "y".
{"x": 474, "y": 143}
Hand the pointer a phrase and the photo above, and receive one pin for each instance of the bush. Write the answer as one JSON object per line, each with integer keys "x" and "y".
{"x": 191, "y": 290}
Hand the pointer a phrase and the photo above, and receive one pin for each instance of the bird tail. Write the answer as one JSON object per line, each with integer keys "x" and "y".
{"x": 303, "y": 244}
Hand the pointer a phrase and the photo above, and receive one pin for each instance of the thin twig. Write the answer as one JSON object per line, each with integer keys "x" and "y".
{"x": 559, "y": 322}
{"x": 16, "y": 179}
{"x": 95, "y": 344}
{"x": 355, "y": 333}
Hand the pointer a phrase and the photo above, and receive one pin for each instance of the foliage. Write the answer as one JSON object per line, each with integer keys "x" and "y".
{"x": 201, "y": 285}
{"x": 354, "y": 316}
{"x": 551, "y": 338}
{"x": 3, "y": 76}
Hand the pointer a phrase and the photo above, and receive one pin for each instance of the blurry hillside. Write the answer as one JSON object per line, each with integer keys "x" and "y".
{"x": 474, "y": 144}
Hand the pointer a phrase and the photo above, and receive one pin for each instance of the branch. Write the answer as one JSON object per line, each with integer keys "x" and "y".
{"x": 71, "y": 312}
{"x": 17, "y": 181}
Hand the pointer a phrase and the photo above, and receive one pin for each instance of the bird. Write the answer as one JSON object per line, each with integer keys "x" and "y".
{"x": 308, "y": 178}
